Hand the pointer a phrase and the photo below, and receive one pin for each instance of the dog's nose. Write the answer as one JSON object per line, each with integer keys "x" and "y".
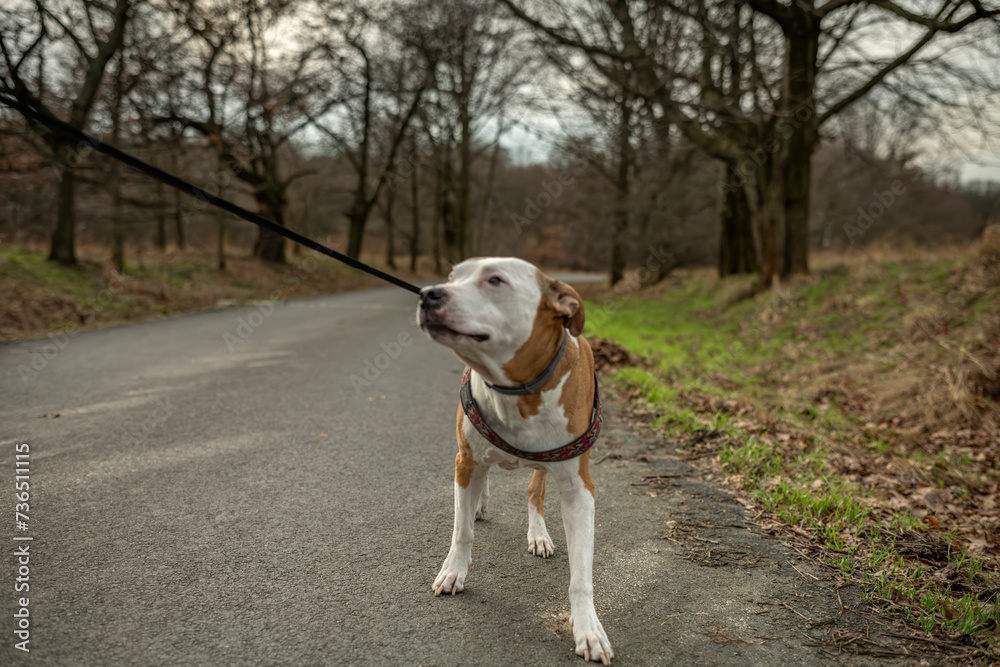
{"x": 433, "y": 297}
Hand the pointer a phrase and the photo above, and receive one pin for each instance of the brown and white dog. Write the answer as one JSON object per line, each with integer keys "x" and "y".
{"x": 507, "y": 320}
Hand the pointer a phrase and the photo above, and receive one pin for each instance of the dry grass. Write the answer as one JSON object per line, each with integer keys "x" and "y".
{"x": 37, "y": 296}
{"x": 949, "y": 347}
{"x": 857, "y": 406}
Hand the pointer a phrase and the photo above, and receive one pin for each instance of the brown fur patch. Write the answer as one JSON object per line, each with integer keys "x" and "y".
{"x": 535, "y": 354}
{"x": 588, "y": 482}
{"x": 536, "y": 491}
{"x": 531, "y": 359}
{"x": 464, "y": 463}
{"x": 577, "y": 397}
{"x": 542, "y": 345}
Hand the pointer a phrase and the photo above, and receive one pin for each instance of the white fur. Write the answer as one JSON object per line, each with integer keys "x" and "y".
{"x": 506, "y": 314}
{"x": 539, "y": 542}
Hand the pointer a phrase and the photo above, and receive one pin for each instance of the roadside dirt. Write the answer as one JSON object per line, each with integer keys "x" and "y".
{"x": 785, "y": 602}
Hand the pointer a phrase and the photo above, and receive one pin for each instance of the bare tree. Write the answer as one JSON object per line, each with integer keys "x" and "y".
{"x": 246, "y": 100}
{"x": 747, "y": 112}
{"x": 807, "y": 25}
{"x": 382, "y": 89}
{"x": 82, "y": 36}
{"x": 481, "y": 63}
{"x": 689, "y": 72}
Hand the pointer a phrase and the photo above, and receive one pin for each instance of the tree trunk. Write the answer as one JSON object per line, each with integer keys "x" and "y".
{"x": 737, "y": 254}
{"x": 161, "y": 219}
{"x": 436, "y": 242}
{"x": 771, "y": 223}
{"x": 800, "y": 108}
{"x": 221, "y": 245}
{"x": 449, "y": 227}
{"x": 178, "y": 207}
{"x": 179, "y": 221}
{"x": 486, "y": 214}
{"x": 415, "y": 231}
{"x": 117, "y": 234}
{"x": 620, "y": 225}
{"x": 63, "y": 247}
{"x": 665, "y": 269}
{"x": 356, "y": 219}
{"x": 463, "y": 194}
{"x": 220, "y": 220}
{"x": 390, "y": 246}
{"x": 439, "y": 208}
{"x": 270, "y": 246}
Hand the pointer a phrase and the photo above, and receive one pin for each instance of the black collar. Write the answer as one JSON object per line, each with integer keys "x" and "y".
{"x": 538, "y": 382}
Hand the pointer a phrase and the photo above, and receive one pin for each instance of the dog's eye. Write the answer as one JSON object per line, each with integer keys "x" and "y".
{"x": 495, "y": 280}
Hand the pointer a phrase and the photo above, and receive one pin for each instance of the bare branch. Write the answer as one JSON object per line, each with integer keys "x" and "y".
{"x": 866, "y": 87}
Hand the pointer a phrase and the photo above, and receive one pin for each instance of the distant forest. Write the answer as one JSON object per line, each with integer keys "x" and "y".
{"x": 743, "y": 135}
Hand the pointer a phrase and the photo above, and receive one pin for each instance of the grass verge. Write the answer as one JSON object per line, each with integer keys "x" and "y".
{"x": 39, "y": 297}
{"x": 858, "y": 410}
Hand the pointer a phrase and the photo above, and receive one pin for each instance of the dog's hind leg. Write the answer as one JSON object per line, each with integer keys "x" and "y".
{"x": 539, "y": 542}
{"x": 484, "y": 498}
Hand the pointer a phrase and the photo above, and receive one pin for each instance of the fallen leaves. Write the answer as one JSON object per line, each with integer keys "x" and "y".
{"x": 610, "y": 356}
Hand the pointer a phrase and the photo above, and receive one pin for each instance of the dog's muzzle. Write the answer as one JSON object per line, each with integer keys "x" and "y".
{"x": 433, "y": 298}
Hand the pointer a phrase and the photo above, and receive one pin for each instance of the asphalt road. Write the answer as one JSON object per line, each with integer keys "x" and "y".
{"x": 193, "y": 504}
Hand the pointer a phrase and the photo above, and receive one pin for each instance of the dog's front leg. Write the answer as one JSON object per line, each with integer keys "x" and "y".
{"x": 451, "y": 578}
{"x": 578, "y": 519}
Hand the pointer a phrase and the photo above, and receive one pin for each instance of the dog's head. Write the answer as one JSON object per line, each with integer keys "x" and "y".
{"x": 500, "y": 315}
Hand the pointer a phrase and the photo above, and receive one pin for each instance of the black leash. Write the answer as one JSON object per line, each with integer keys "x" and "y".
{"x": 65, "y": 130}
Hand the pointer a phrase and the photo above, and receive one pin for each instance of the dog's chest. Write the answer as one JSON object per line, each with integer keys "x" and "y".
{"x": 538, "y": 432}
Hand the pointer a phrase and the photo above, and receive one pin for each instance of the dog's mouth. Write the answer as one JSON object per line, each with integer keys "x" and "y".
{"x": 438, "y": 330}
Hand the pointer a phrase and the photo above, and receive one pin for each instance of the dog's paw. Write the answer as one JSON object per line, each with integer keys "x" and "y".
{"x": 540, "y": 544}
{"x": 481, "y": 511}
{"x": 451, "y": 578}
{"x": 592, "y": 642}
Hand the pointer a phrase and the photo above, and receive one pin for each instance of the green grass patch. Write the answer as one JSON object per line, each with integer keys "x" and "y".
{"x": 43, "y": 296}
{"x": 755, "y": 459}
{"x": 707, "y": 350}
{"x": 32, "y": 268}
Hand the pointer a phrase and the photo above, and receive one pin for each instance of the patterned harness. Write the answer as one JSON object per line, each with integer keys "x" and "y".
{"x": 564, "y": 453}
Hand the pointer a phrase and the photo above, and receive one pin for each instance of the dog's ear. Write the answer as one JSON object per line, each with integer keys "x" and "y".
{"x": 566, "y": 302}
